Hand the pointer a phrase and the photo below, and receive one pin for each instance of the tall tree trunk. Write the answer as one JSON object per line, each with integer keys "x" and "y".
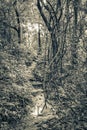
{"x": 74, "y": 35}
{"x": 19, "y": 26}
{"x": 15, "y": 5}
{"x": 54, "y": 43}
{"x": 39, "y": 40}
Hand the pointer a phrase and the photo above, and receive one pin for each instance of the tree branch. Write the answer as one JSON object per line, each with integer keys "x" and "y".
{"x": 13, "y": 27}
{"x": 43, "y": 15}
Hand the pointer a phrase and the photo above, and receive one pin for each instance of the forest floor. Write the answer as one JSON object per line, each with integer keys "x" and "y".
{"x": 18, "y": 71}
{"x": 33, "y": 123}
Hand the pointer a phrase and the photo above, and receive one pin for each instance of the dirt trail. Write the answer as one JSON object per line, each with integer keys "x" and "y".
{"x": 32, "y": 123}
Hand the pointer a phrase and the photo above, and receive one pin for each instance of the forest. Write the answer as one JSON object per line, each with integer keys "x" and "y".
{"x": 43, "y": 54}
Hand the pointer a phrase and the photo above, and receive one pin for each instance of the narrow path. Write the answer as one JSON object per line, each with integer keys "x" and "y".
{"x": 32, "y": 123}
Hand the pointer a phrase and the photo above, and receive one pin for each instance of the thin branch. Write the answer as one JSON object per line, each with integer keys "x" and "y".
{"x": 43, "y": 16}
{"x": 13, "y": 27}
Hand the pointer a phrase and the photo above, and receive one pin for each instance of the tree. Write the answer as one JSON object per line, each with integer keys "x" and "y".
{"x": 17, "y": 13}
{"x": 74, "y": 33}
{"x": 56, "y": 21}
{"x": 12, "y": 11}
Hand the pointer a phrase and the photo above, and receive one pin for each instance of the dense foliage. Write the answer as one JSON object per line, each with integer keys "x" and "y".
{"x": 43, "y": 45}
